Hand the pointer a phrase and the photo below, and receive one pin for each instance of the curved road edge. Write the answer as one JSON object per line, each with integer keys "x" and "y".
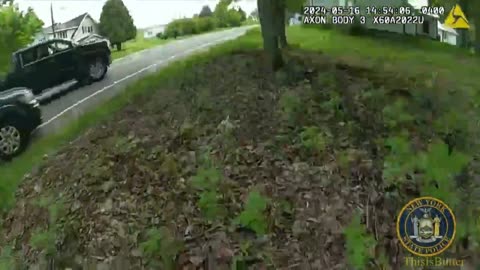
{"x": 98, "y": 96}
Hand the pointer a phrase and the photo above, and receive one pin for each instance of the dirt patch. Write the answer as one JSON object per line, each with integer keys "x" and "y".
{"x": 132, "y": 173}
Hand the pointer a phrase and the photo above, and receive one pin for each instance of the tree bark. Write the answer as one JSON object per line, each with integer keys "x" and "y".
{"x": 463, "y": 33}
{"x": 475, "y": 18}
{"x": 281, "y": 22}
{"x": 266, "y": 11}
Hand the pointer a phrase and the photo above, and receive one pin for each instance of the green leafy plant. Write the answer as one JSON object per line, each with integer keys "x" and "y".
{"x": 209, "y": 204}
{"x": 160, "y": 242}
{"x": 400, "y": 160}
{"x": 396, "y": 114}
{"x": 291, "y": 106}
{"x": 333, "y": 104}
{"x": 312, "y": 138}
{"x": 253, "y": 214}
{"x": 359, "y": 243}
{"x": 44, "y": 240}
{"x": 7, "y": 259}
{"x": 440, "y": 167}
{"x": 206, "y": 181}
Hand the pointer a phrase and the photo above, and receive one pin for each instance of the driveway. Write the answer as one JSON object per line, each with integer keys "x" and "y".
{"x": 61, "y": 105}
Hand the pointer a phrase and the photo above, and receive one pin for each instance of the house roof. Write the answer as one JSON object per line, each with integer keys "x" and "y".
{"x": 71, "y": 24}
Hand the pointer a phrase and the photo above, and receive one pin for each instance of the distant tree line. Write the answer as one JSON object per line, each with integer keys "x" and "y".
{"x": 222, "y": 16}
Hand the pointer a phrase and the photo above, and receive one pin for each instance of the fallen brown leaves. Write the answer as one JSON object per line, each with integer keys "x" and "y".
{"x": 131, "y": 173}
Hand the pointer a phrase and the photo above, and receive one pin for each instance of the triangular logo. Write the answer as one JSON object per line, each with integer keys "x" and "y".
{"x": 456, "y": 18}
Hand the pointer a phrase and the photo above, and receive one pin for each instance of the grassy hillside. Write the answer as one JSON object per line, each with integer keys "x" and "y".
{"x": 215, "y": 161}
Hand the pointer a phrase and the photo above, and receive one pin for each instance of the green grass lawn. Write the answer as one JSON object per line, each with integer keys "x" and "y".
{"x": 405, "y": 59}
{"x": 406, "y": 56}
{"x": 138, "y": 44}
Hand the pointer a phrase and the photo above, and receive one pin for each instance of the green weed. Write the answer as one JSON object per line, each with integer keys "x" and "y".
{"x": 395, "y": 114}
{"x": 440, "y": 168}
{"x": 399, "y": 161}
{"x": 313, "y": 139}
{"x": 44, "y": 240}
{"x": 7, "y": 259}
{"x": 291, "y": 106}
{"x": 207, "y": 181}
{"x": 160, "y": 243}
{"x": 253, "y": 214}
{"x": 360, "y": 244}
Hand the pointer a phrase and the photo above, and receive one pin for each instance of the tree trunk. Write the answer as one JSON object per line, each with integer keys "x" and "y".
{"x": 266, "y": 11}
{"x": 280, "y": 17}
{"x": 119, "y": 46}
{"x": 463, "y": 33}
{"x": 475, "y": 8}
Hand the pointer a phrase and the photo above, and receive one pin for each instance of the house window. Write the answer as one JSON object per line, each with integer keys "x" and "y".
{"x": 426, "y": 27}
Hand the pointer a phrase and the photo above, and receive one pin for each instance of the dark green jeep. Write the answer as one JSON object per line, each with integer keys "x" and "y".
{"x": 56, "y": 61}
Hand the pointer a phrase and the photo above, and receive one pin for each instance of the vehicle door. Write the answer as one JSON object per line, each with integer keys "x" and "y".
{"x": 64, "y": 58}
{"x": 30, "y": 75}
{"x": 46, "y": 68}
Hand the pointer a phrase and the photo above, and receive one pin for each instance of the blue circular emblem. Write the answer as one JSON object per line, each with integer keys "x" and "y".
{"x": 426, "y": 226}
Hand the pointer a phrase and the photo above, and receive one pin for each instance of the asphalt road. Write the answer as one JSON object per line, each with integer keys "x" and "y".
{"x": 62, "y": 104}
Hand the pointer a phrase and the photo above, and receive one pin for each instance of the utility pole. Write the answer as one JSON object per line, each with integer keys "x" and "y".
{"x": 53, "y": 22}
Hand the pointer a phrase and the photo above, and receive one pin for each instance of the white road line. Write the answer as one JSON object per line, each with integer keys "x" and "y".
{"x": 123, "y": 79}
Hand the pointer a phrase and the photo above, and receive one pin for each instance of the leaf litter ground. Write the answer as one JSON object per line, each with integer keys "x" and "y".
{"x": 131, "y": 173}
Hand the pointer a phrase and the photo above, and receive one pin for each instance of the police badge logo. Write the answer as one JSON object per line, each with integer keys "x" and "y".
{"x": 426, "y": 226}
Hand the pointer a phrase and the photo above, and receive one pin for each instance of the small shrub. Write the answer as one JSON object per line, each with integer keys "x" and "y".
{"x": 205, "y": 24}
{"x": 360, "y": 245}
{"x": 7, "y": 259}
{"x": 44, "y": 240}
{"x": 396, "y": 114}
{"x": 399, "y": 161}
{"x": 160, "y": 242}
{"x": 253, "y": 215}
{"x": 161, "y": 35}
{"x": 209, "y": 204}
{"x": 440, "y": 168}
{"x": 291, "y": 106}
{"x": 314, "y": 139}
{"x": 207, "y": 180}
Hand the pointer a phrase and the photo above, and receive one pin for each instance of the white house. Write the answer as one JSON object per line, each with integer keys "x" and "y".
{"x": 428, "y": 28}
{"x": 152, "y": 31}
{"x": 295, "y": 19}
{"x": 447, "y": 34}
{"x": 74, "y": 29}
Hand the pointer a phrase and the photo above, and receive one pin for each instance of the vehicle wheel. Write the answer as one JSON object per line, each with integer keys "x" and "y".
{"x": 13, "y": 139}
{"x": 97, "y": 69}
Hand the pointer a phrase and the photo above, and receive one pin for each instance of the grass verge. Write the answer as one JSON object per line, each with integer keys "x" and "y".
{"x": 141, "y": 43}
{"x": 138, "y": 44}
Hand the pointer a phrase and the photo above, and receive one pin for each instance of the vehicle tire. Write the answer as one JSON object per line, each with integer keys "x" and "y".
{"x": 97, "y": 69}
{"x": 13, "y": 138}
